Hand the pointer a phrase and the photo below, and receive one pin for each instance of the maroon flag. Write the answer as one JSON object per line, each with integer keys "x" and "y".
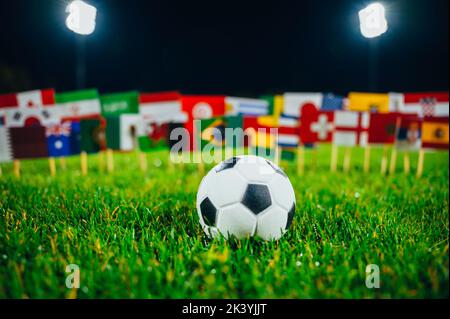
{"x": 383, "y": 127}
{"x": 28, "y": 142}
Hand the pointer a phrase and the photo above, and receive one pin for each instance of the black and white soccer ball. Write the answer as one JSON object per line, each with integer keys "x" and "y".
{"x": 246, "y": 196}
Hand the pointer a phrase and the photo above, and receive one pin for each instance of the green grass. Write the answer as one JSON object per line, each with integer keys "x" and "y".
{"x": 137, "y": 235}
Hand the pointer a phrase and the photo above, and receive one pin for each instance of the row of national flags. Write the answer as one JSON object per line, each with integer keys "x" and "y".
{"x": 45, "y": 123}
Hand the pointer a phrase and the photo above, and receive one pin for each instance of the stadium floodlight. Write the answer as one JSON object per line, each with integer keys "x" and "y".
{"x": 81, "y": 18}
{"x": 373, "y": 21}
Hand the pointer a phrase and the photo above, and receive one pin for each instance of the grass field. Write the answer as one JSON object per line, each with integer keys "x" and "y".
{"x": 137, "y": 235}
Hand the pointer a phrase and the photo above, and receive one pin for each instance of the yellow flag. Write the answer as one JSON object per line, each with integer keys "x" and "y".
{"x": 272, "y": 120}
{"x": 435, "y": 134}
{"x": 368, "y": 102}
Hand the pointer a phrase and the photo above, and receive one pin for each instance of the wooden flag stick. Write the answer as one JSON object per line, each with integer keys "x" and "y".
{"x": 16, "y": 167}
{"x": 143, "y": 161}
{"x": 384, "y": 160}
{"x": 314, "y": 157}
{"x": 420, "y": 162}
{"x": 62, "y": 162}
{"x": 393, "y": 162}
{"x": 394, "y": 147}
{"x": 84, "y": 163}
{"x": 300, "y": 160}
{"x": 52, "y": 166}
{"x": 367, "y": 159}
{"x": 347, "y": 159}
{"x": 199, "y": 160}
{"x": 334, "y": 157}
{"x": 109, "y": 160}
{"x": 181, "y": 160}
{"x": 277, "y": 155}
{"x": 101, "y": 161}
{"x": 406, "y": 163}
{"x": 169, "y": 162}
{"x": 1, "y": 170}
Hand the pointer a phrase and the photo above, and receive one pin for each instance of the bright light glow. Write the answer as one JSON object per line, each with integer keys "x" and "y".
{"x": 372, "y": 20}
{"x": 81, "y": 18}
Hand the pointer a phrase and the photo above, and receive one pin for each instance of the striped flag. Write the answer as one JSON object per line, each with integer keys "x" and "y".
{"x": 76, "y": 105}
{"x": 5, "y": 145}
{"x": 246, "y": 106}
{"x": 288, "y": 132}
{"x": 122, "y": 131}
{"x": 161, "y": 107}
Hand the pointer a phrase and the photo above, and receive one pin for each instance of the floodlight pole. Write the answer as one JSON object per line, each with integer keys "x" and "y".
{"x": 373, "y": 64}
{"x": 80, "y": 71}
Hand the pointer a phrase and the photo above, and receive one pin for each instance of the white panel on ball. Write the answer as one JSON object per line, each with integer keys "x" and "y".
{"x": 282, "y": 191}
{"x": 229, "y": 188}
{"x": 272, "y": 224}
{"x": 255, "y": 169}
{"x": 236, "y": 220}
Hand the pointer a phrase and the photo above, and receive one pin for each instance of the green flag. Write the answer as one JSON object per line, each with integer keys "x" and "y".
{"x": 119, "y": 103}
{"x": 154, "y": 136}
{"x": 92, "y": 135}
{"x": 79, "y": 104}
{"x": 122, "y": 131}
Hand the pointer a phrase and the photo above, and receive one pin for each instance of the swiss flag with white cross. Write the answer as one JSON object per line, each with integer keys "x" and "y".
{"x": 316, "y": 126}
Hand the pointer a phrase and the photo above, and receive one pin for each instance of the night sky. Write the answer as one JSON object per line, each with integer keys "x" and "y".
{"x": 225, "y": 47}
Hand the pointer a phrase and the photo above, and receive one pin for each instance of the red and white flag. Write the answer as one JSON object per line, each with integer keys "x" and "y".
{"x": 32, "y": 116}
{"x": 316, "y": 126}
{"x": 28, "y": 99}
{"x": 288, "y": 132}
{"x": 434, "y": 104}
{"x": 164, "y": 107}
{"x": 297, "y": 103}
{"x": 351, "y": 128}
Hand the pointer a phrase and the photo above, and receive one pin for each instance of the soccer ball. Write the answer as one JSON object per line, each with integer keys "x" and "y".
{"x": 246, "y": 196}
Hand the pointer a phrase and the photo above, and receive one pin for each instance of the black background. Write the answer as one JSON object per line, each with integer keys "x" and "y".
{"x": 229, "y": 47}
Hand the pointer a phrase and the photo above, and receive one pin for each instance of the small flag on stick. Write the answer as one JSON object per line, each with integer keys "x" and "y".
{"x": 300, "y": 159}
{"x": 347, "y": 159}
{"x": 406, "y": 163}
{"x": 84, "y": 163}
{"x": 143, "y": 161}
{"x": 384, "y": 160}
{"x": 62, "y": 162}
{"x": 367, "y": 159}
{"x": 52, "y": 166}
{"x": 109, "y": 160}
{"x": 393, "y": 162}
{"x": 16, "y": 168}
{"x": 420, "y": 163}
{"x": 334, "y": 157}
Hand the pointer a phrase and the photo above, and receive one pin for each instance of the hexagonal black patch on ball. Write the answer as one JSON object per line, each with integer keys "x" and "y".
{"x": 208, "y": 212}
{"x": 291, "y": 213}
{"x": 257, "y": 198}
{"x": 229, "y": 163}
{"x": 276, "y": 169}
